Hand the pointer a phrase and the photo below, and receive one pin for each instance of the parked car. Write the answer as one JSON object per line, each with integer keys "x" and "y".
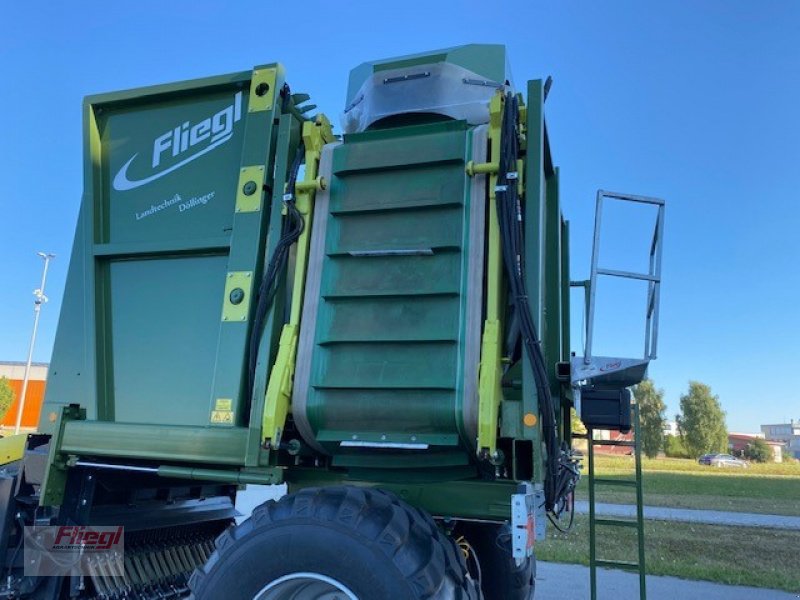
{"x": 722, "y": 460}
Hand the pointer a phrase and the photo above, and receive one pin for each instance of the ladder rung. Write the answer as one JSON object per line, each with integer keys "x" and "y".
{"x": 617, "y": 522}
{"x": 628, "y": 443}
{"x": 629, "y": 275}
{"x": 620, "y": 482}
{"x": 617, "y": 564}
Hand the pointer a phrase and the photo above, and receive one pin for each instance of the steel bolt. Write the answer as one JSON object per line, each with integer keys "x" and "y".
{"x": 249, "y": 188}
{"x": 236, "y": 296}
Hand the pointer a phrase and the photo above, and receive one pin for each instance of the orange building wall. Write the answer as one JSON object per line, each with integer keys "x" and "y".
{"x": 33, "y": 404}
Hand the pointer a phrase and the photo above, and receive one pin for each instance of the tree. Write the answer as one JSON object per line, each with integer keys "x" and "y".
{"x": 6, "y": 396}
{"x": 651, "y": 416}
{"x": 759, "y": 451}
{"x": 674, "y": 448}
{"x": 702, "y": 422}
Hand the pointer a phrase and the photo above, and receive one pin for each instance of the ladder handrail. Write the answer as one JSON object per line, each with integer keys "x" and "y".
{"x": 653, "y": 276}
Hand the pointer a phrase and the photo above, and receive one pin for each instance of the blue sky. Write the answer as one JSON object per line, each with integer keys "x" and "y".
{"x": 696, "y": 102}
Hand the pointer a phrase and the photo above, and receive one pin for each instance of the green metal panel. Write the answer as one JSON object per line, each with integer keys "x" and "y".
{"x": 143, "y": 343}
{"x": 389, "y": 338}
{"x": 162, "y": 382}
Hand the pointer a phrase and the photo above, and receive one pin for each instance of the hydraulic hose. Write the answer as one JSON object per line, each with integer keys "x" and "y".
{"x": 560, "y": 471}
{"x": 291, "y": 228}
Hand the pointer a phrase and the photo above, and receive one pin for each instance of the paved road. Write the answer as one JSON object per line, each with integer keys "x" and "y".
{"x": 571, "y": 582}
{"x": 712, "y": 517}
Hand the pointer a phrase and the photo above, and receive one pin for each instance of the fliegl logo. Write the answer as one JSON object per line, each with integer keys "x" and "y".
{"x": 186, "y": 141}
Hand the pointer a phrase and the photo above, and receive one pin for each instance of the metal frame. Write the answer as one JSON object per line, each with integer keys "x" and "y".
{"x": 653, "y": 276}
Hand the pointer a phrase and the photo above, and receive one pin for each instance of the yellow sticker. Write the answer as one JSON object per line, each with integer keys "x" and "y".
{"x": 222, "y": 417}
{"x": 223, "y": 412}
{"x": 224, "y": 404}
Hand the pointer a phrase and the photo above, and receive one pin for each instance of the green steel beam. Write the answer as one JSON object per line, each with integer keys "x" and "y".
{"x": 534, "y": 254}
{"x": 566, "y": 420}
{"x": 553, "y": 301}
{"x": 286, "y": 144}
{"x": 248, "y": 240}
{"x": 211, "y": 445}
{"x": 465, "y": 499}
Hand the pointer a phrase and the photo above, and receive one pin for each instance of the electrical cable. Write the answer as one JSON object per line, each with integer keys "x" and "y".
{"x": 291, "y": 228}
{"x": 561, "y": 473}
{"x": 568, "y": 528}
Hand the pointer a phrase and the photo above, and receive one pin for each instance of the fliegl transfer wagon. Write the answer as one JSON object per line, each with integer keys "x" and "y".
{"x": 377, "y": 319}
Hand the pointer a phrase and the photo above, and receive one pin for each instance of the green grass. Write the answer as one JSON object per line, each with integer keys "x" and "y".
{"x": 735, "y": 556}
{"x": 679, "y": 483}
{"x": 788, "y": 469}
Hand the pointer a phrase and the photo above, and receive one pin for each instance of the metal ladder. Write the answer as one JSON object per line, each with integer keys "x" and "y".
{"x": 637, "y": 524}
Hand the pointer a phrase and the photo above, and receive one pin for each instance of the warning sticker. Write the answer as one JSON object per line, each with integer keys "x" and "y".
{"x": 223, "y": 412}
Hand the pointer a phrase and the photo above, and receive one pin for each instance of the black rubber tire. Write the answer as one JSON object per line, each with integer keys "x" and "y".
{"x": 501, "y": 578}
{"x": 368, "y": 540}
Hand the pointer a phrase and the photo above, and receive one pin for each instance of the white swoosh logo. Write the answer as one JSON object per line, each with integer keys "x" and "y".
{"x": 122, "y": 183}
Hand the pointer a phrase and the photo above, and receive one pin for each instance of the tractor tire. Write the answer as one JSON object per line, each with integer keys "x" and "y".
{"x": 343, "y": 542}
{"x": 501, "y": 577}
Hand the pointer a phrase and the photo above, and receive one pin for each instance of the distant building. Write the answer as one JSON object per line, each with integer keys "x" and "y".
{"x": 614, "y": 435}
{"x": 737, "y": 444}
{"x": 15, "y": 373}
{"x": 670, "y": 428}
{"x": 788, "y": 433}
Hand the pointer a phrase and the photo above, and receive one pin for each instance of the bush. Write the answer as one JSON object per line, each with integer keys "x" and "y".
{"x": 6, "y": 396}
{"x": 758, "y": 451}
{"x": 674, "y": 448}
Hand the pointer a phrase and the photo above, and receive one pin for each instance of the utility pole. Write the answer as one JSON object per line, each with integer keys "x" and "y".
{"x": 39, "y": 299}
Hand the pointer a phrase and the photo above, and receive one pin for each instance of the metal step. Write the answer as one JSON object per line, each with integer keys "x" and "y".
{"x": 617, "y": 564}
{"x": 617, "y": 482}
{"x": 616, "y": 522}
{"x": 629, "y": 444}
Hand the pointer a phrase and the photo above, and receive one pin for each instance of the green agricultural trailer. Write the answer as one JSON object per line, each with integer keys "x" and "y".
{"x": 377, "y": 319}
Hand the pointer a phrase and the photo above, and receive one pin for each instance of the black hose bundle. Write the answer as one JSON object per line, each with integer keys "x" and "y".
{"x": 561, "y": 472}
{"x": 291, "y": 229}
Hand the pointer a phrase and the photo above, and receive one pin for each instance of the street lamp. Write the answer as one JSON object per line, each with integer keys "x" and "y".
{"x": 38, "y": 299}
